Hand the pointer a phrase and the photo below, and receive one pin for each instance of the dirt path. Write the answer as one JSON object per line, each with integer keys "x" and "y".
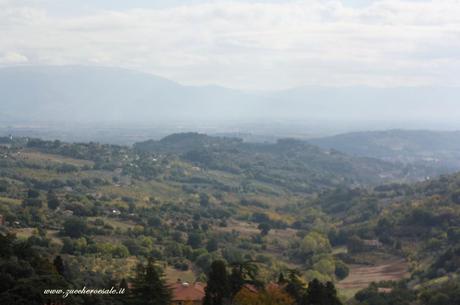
{"x": 361, "y": 276}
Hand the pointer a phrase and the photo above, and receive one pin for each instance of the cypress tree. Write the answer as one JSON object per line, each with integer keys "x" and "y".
{"x": 217, "y": 289}
{"x": 315, "y": 293}
{"x": 59, "y": 265}
{"x": 331, "y": 294}
{"x": 149, "y": 286}
{"x": 322, "y": 294}
{"x": 123, "y": 284}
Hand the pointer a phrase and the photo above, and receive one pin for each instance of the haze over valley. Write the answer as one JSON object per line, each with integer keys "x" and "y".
{"x": 229, "y": 152}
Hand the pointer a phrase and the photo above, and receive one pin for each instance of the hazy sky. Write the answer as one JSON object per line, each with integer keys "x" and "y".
{"x": 243, "y": 44}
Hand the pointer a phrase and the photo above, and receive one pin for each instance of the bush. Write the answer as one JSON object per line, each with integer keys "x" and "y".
{"x": 341, "y": 270}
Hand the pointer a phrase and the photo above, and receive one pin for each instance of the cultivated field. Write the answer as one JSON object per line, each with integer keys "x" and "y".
{"x": 361, "y": 276}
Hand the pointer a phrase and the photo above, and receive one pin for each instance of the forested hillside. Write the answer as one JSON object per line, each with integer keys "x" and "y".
{"x": 291, "y": 163}
{"x": 292, "y": 211}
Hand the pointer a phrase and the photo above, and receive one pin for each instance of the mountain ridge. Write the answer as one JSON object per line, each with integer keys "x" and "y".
{"x": 103, "y": 94}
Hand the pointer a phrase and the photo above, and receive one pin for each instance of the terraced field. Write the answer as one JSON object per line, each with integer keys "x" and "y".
{"x": 361, "y": 276}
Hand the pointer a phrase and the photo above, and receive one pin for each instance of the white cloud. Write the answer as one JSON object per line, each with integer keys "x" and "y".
{"x": 253, "y": 45}
{"x": 12, "y": 58}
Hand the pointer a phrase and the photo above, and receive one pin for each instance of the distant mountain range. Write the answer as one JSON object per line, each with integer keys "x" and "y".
{"x": 96, "y": 94}
{"x": 89, "y": 94}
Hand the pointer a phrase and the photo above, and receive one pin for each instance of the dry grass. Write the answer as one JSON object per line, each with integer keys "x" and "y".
{"x": 43, "y": 157}
{"x": 244, "y": 228}
{"x": 10, "y": 201}
{"x": 172, "y": 275}
{"x": 24, "y": 233}
{"x": 54, "y": 236}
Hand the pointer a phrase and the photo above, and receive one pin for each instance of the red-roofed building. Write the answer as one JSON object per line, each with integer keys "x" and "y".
{"x": 250, "y": 288}
{"x": 187, "y": 294}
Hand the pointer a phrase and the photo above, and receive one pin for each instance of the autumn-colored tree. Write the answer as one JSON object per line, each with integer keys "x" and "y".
{"x": 272, "y": 295}
{"x": 247, "y": 297}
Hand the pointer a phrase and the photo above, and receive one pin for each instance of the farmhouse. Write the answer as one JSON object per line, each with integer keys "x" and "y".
{"x": 384, "y": 290}
{"x": 187, "y": 294}
{"x": 372, "y": 243}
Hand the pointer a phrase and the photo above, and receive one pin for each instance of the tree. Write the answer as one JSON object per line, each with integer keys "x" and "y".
{"x": 123, "y": 284}
{"x": 204, "y": 261}
{"x": 273, "y": 295}
{"x": 325, "y": 266}
{"x": 4, "y": 186}
{"x": 33, "y": 194}
{"x": 321, "y": 294}
{"x": 330, "y": 293}
{"x": 59, "y": 265}
{"x": 6, "y": 244}
{"x": 264, "y": 228}
{"x": 295, "y": 287}
{"x": 25, "y": 274}
{"x": 149, "y": 286}
{"x": 243, "y": 273}
{"x": 400, "y": 295}
{"x": 75, "y": 227}
{"x": 212, "y": 245}
{"x": 315, "y": 293}
{"x": 247, "y": 297}
{"x": 341, "y": 270}
{"x": 355, "y": 244}
{"x": 217, "y": 291}
{"x": 281, "y": 279}
{"x": 204, "y": 199}
{"x": 371, "y": 292}
{"x": 119, "y": 251}
{"x": 194, "y": 240}
{"x": 315, "y": 243}
{"x": 53, "y": 201}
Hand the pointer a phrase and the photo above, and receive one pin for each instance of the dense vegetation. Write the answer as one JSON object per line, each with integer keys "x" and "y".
{"x": 87, "y": 214}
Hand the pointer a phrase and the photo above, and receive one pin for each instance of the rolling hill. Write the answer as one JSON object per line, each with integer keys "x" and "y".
{"x": 439, "y": 149}
{"x": 292, "y": 163}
